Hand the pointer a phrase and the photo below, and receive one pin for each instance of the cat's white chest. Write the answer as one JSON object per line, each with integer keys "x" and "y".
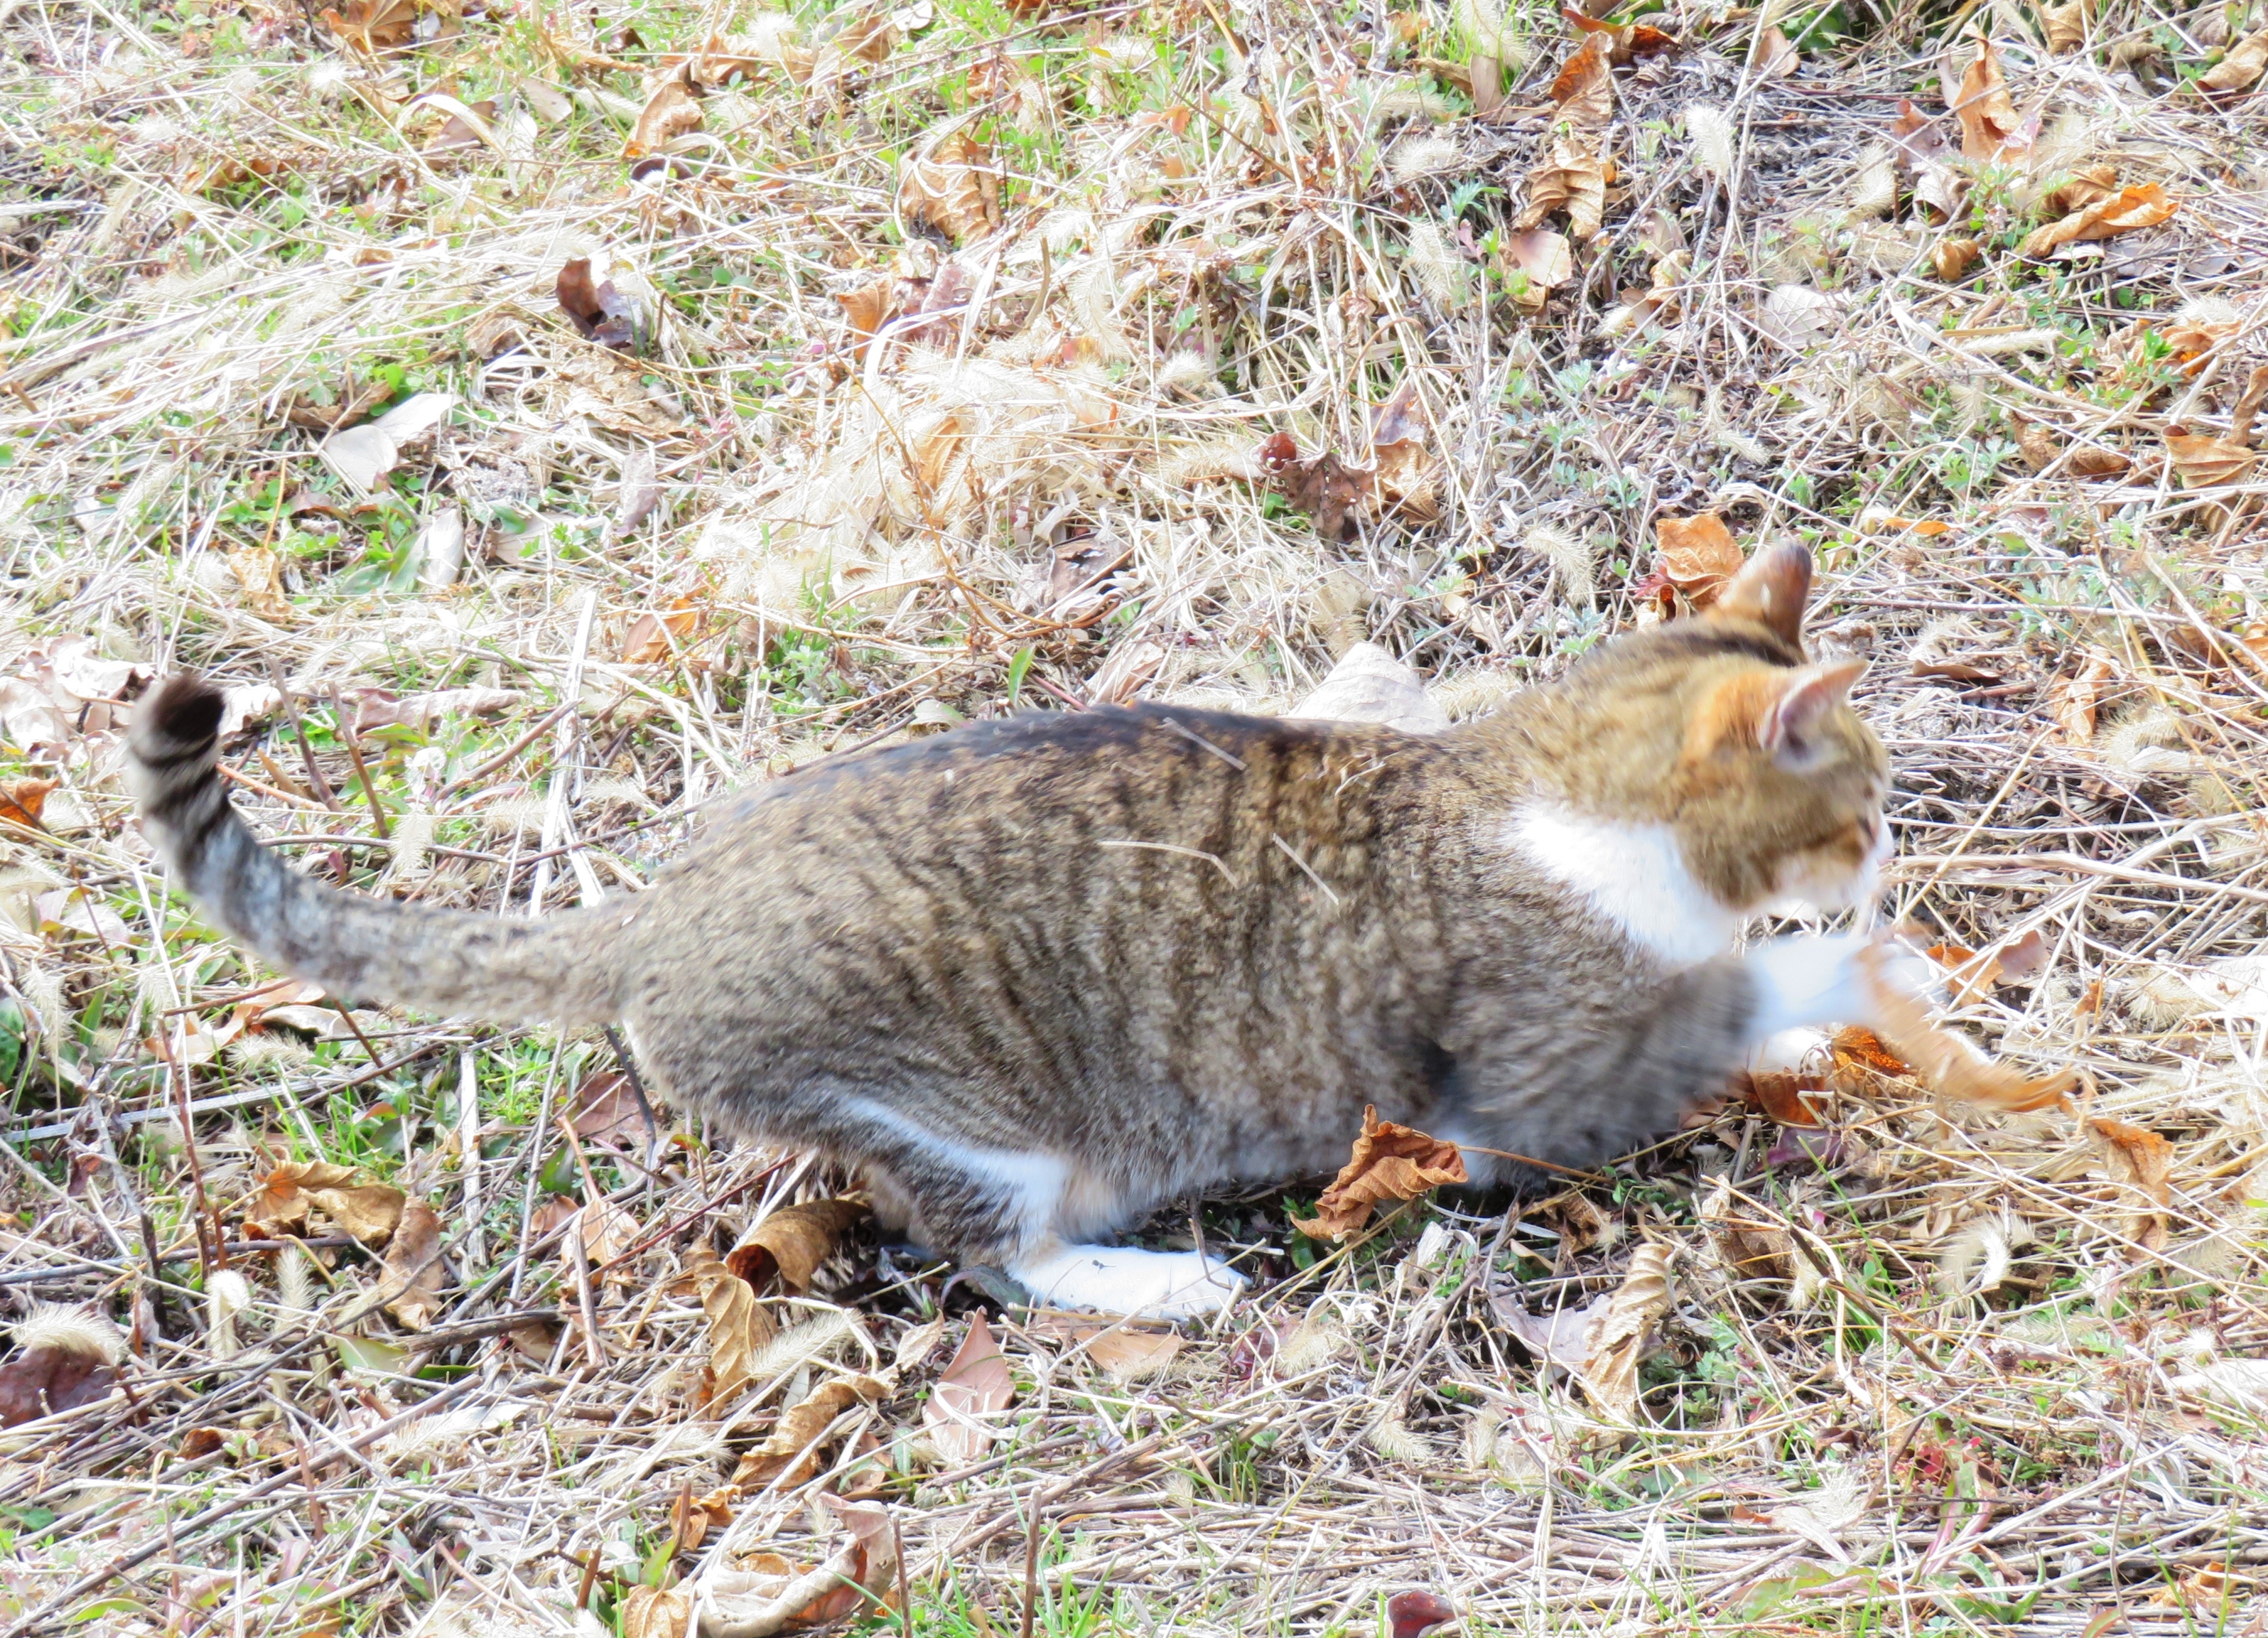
{"x": 1630, "y": 875}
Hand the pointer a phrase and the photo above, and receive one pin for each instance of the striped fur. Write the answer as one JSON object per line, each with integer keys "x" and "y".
{"x": 1038, "y": 974}
{"x": 352, "y": 945}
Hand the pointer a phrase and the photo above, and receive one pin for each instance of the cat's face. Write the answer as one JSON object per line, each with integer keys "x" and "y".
{"x": 1780, "y": 787}
{"x": 1753, "y": 763}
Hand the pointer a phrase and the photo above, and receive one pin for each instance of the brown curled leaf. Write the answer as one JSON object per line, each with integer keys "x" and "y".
{"x": 1390, "y": 1162}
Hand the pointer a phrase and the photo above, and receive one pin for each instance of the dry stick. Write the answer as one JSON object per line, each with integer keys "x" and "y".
{"x": 469, "y": 1143}
{"x": 475, "y": 775}
{"x": 1031, "y": 1569}
{"x": 315, "y": 780}
{"x": 354, "y": 756}
{"x": 593, "y": 1349}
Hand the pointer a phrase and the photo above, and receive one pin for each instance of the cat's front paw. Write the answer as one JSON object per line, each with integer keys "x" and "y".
{"x": 1123, "y": 1279}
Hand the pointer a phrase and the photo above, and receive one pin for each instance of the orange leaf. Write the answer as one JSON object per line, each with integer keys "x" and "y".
{"x": 792, "y": 1241}
{"x": 1390, "y": 1162}
{"x": 653, "y": 638}
{"x": 2072, "y": 701}
{"x": 1989, "y": 128}
{"x": 2123, "y": 212}
{"x": 1698, "y": 555}
{"x": 1584, "y": 89}
{"x": 2140, "y": 1157}
{"x": 672, "y": 110}
{"x": 21, "y": 800}
{"x": 1779, "y": 1093}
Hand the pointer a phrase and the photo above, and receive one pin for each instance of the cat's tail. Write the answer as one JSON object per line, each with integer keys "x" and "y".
{"x": 358, "y": 947}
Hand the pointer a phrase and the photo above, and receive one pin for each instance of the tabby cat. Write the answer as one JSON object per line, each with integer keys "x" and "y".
{"x": 1035, "y": 976}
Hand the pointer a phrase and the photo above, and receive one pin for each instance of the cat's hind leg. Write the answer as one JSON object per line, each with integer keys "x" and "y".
{"x": 1021, "y": 1212}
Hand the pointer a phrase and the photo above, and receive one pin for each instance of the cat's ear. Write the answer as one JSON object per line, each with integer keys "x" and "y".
{"x": 1771, "y": 589}
{"x": 1787, "y": 730}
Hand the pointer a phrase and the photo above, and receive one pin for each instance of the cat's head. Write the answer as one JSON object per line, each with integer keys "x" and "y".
{"x": 1722, "y": 732}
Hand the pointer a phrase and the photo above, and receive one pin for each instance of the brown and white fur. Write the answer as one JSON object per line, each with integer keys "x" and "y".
{"x": 1037, "y": 975}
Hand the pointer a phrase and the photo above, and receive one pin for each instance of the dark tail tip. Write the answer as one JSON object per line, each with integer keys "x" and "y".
{"x": 175, "y": 739}
{"x": 181, "y": 717}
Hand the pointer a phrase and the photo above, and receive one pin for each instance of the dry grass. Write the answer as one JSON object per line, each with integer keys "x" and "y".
{"x": 1920, "y": 1370}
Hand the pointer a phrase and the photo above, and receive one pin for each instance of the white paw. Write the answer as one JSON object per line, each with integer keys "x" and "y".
{"x": 1788, "y": 1053}
{"x": 1904, "y": 969}
{"x": 1119, "y": 1279}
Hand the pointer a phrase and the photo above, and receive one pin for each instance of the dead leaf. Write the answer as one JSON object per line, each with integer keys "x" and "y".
{"x": 363, "y": 455}
{"x": 2202, "y": 462}
{"x": 654, "y": 638}
{"x": 260, "y": 571}
{"x": 378, "y": 708}
{"x": 1543, "y": 258}
{"x": 2140, "y": 1157}
{"x": 2023, "y": 958}
{"x": 672, "y": 110}
{"x": 1779, "y": 1093}
{"x": 1625, "y": 43}
{"x": 2035, "y": 444}
{"x": 2041, "y": 450}
{"x": 2066, "y": 25}
{"x": 1916, "y": 139}
{"x": 1133, "y": 1355}
{"x": 1615, "y": 1340}
{"x": 1389, "y": 1163}
{"x": 1860, "y": 1054}
{"x": 414, "y": 1270}
{"x": 1585, "y": 88}
{"x": 1699, "y": 556}
{"x": 1402, "y": 455}
{"x": 2124, "y": 213}
{"x": 2071, "y": 701}
{"x": 2084, "y": 187}
{"x": 954, "y": 188}
{"x": 738, "y": 1325}
{"x": 793, "y": 1453}
{"x": 1772, "y": 55}
{"x": 1408, "y": 1615}
{"x": 604, "y": 1108}
{"x": 61, "y": 1361}
{"x": 1950, "y": 257}
{"x": 374, "y": 26}
{"x": 371, "y": 1212}
{"x": 1484, "y": 81}
{"x": 2236, "y": 73}
{"x": 791, "y": 1243}
{"x": 1572, "y": 178}
{"x": 22, "y": 800}
{"x": 1554, "y": 1339}
{"x": 975, "y": 1383}
{"x": 599, "y": 310}
{"x": 457, "y": 132}
{"x": 2140, "y": 1160}
{"x": 601, "y": 1232}
{"x": 1325, "y": 488}
{"x": 761, "y": 1594}
{"x": 1989, "y": 128}
{"x": 654, "y": 1612}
